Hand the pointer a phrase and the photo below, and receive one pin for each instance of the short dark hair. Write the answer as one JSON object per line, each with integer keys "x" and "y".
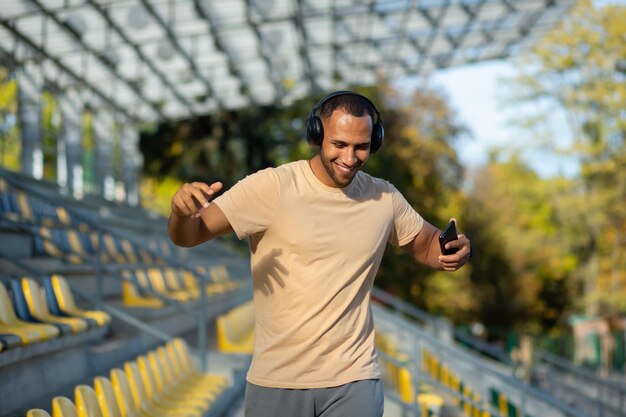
{"x": 352, "y": 104}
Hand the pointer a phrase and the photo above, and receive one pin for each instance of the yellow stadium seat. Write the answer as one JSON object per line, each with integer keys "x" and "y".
{"x": 86, "y": 402}
{"x": 129, "y": 251}
{"x": 132, "y": 297}
{"x": 112, "y": 250}
{"x": 28, "y": 332}
{"x": 221, "y": 278}
{"x": 164, "y": 385}
{"x": 38, "y": 307}
{"x": 157, "y": 398}
{"x": 63, "y": 407}
{"x": 106, "y": 397}
{"x": 173, "y": 281}
{"x": 235, "y": 329}
{"x": 178, "y": 382}
{"x": 157, "y": 282}
{"x": 140, "y": 396}
{"x": 66, "y": 302}
{"x": 121, "y": 387}
{"x": 187, "y": 368}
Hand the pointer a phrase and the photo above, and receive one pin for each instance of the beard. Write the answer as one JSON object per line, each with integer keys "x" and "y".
{"x": 339, "y": 180}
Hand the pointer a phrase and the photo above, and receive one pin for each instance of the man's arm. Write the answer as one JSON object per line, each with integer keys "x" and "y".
{"x": 193, "y": 219}
{"x": 425, "y": 249}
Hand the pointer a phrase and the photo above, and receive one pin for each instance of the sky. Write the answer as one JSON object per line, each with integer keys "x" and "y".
{"x": 476, "y": 93}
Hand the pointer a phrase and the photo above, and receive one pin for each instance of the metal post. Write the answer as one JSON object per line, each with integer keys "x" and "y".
{"x": 416, "y": 371}
{"x": 103, "y": 132}
{"x": 99, "y": 275}
{"x": 29, "y": 114}
{"x": 202, "y": 333}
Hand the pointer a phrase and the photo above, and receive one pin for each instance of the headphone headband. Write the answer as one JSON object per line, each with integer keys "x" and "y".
{"x": 315, "y": 130}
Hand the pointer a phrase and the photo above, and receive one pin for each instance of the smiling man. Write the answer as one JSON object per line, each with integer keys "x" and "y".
{"x": 317, "y": 231}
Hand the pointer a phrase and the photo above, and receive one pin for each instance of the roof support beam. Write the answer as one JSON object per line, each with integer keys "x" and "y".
{"x": 80, "y": 79}
{"x": 278, "y": 90}
{"x": 298, "y": 22}
{"x": 232, "y": 63}
{"x": 98, "y": 55}
{"x": 105, "y": 15}
{"x": 175, "y": 42}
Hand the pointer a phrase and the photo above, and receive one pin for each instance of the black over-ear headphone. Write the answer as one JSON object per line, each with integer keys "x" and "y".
{"x": 315, "y": 130}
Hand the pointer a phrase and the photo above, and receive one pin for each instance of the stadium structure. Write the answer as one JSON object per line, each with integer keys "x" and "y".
{"x": 100, "y": 315}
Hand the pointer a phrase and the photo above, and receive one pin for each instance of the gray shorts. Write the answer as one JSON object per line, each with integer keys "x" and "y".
{"x": 355, "y": 399}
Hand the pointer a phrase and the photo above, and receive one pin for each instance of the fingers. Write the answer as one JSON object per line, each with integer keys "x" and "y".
{"x": 192, "y": 197}
{"x": 455, "y": 261}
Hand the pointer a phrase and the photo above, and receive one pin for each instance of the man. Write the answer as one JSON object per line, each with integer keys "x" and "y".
{"x": 317, "y": 231}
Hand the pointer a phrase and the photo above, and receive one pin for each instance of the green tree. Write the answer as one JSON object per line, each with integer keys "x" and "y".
{"x": 520, "y": 278}
{"x": 580, "y": 68}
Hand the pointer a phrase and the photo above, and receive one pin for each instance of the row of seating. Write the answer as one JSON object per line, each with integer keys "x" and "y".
{"x": 80, "y": 246}
{"x": 58, "y": 233}
{"x": 471, "y": 402}
{"x": 397, "y": 377}
{"x": 30, "y": 313}
{"x": 165, "y": 382}
{"x": 179, "y": 284}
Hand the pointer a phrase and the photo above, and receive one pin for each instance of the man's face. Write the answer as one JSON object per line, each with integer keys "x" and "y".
{"x": 345, "y": 148}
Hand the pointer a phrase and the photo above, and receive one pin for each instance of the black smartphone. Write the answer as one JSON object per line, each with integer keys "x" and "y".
{"x": 448, "y": 235}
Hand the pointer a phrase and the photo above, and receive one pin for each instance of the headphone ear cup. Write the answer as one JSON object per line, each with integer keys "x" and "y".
{"x": 378, "y": 134}
{"x": 314, "y": 131}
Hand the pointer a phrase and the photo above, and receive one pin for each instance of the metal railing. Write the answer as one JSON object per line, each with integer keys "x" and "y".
{"x": 482, "y": 376}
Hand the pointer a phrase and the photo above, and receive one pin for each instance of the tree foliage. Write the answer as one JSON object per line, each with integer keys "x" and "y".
{"x": 580, "y": 67}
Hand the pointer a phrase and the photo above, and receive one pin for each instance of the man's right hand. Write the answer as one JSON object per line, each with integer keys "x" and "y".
{"x": 192, "y": 197}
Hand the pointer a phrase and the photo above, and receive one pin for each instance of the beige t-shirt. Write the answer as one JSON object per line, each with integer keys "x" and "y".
{"x": 315, "y": 251}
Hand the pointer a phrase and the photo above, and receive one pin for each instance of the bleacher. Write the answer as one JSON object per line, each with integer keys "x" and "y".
{"x": 98, "y": 311}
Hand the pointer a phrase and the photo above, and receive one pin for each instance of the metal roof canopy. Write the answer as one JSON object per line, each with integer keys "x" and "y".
{"x": 172, "y": 59}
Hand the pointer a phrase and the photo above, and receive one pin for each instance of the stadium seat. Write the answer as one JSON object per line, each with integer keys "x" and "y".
{"x": 165, "y": 388}
{"x": 11, "y": 324}
{"x": 121, "y": 387}
{"x": 157, "y": 397}
{"x": 174, "y": 281}
{"x": 140, "y": 396}
{"x": 187, "y": 368}
{"x": 61, "y": 301}
{"x": 133, "y": 294}
{"x": 235, "y": 329}
{"x": 77, "y": 244}
{"x": 185, "y": 387}
{"x": 53, "y": 242}
{"x": 105, "y": 392}
{"x": 32, "y": 306}
{"x": 63, "y": 407}
{"x": 86, "y": 402}
{"x": 220, "y": 275}
{"x": 129, "y": 251}
{"x": 157, "y": 283}
{"x": 113, "y": 249}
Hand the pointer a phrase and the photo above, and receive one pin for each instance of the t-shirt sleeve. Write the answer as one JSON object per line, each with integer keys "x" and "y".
{"x": 251, "y": 205}
{"x": 407, "y": 223}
